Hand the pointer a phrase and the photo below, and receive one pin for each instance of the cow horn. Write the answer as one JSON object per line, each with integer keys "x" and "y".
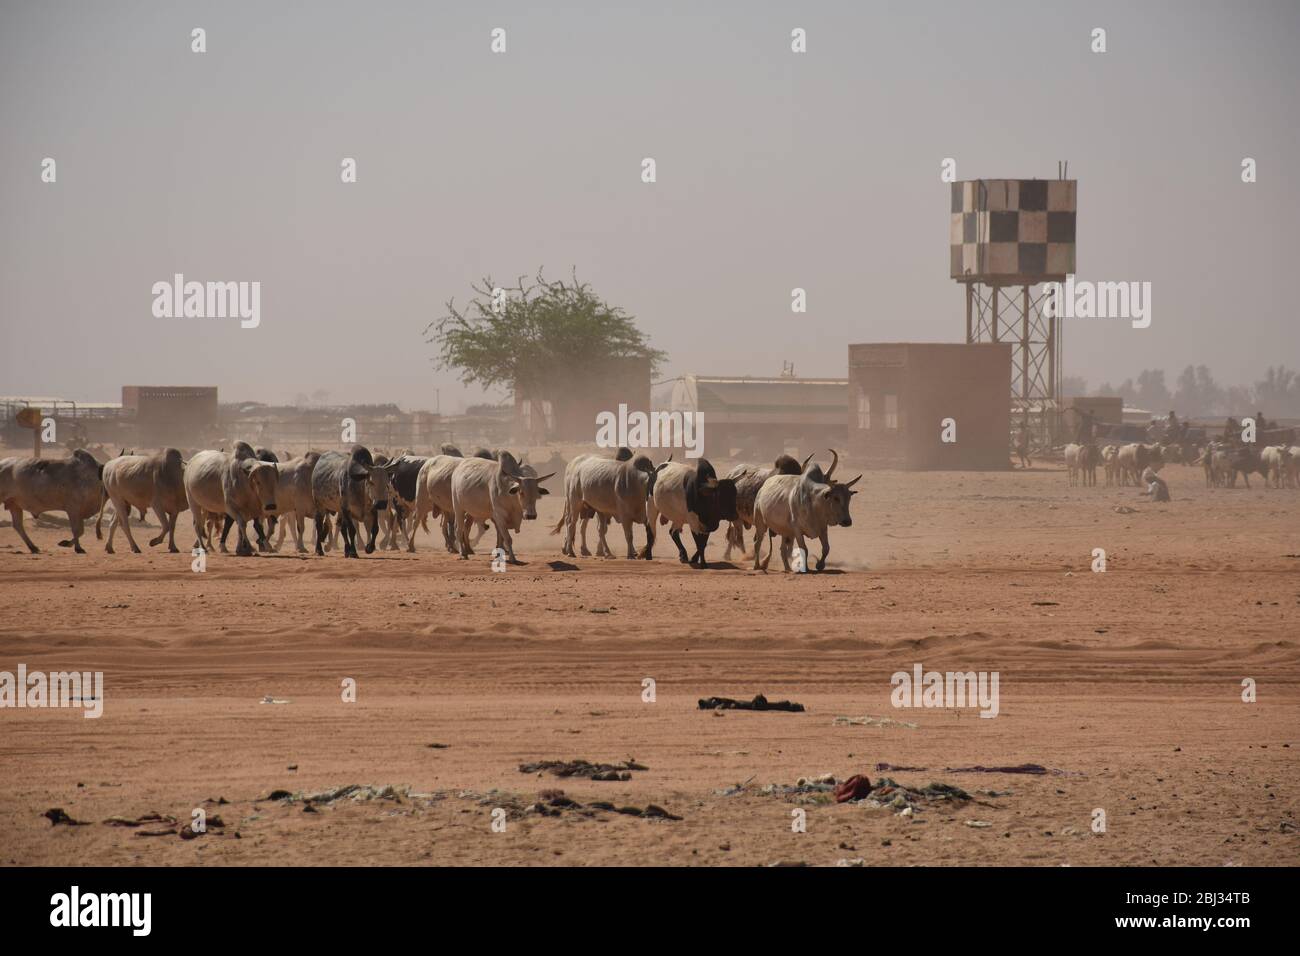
{"x": 853, "y": 482}
{"x": 804, "y": 466}
{"x": 835, "y": 460}
{"x": 544, "y": 477}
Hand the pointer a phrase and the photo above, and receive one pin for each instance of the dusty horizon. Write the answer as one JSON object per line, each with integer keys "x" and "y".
{"x": 775, "y": 171}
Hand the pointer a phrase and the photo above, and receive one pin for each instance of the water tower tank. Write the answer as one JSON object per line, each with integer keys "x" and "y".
{"x": 1013, "y": 231}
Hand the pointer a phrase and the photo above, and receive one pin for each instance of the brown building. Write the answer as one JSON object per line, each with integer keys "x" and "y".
{"x": 758, "y": 418}
{"x": 567, "y": 412}
{"x": 900, "y": 395}
{"x": 170, "y": 414}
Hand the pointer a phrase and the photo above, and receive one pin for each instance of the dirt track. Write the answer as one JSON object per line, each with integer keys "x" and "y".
{"x": 1128, "y": 681}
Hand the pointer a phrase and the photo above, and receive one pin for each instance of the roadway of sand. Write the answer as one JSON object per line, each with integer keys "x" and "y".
{"x": 1129, "y": 682}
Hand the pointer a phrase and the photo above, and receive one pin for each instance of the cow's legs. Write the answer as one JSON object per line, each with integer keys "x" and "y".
{"x": 465, "y": 525}
{"x": 163, "y": 519}
{"x": 78, "y": 526}
{"x": 570, "y": 526}
{"x": 701, "y": 542}
{"x": 372, "y": 531}
{"x": 826, "y": 549}
{"x": 646, "y": 552}
{"x": 244, "y": 548}
{"x": 787, "y": 546}
{"x": 627, "y": 533}
{"x": 675, "y": 533}
{"x": 321, "y": 534}
{"x": 586, "y": 552}
{"x": 413, "y": 525}
{"x": 602, "y": 542}
{"x": 199, "y": 521}
{"x": 347, "y": 529}
{"x": 735, "y": 539}
{"x": 16, "y": 515}
{"x": 112, "y": 530}
{"x": 171, "y": 532}
{"x": 298, "y": 527}
{"x": 126, "y": 527}
{"x": 263, "y": 542}
{"x": 759, "y": 528}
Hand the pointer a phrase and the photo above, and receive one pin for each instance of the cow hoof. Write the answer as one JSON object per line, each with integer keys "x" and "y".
{"x": 108, "y": 549}
{"x": 79, "y": 549}
{"x": 370, "y": 549}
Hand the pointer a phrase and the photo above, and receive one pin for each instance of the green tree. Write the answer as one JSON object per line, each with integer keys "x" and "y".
{"x": 534, "y": 334}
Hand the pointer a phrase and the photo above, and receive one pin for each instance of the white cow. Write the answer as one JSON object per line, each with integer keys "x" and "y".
{"x": 144, "y": 481}
{"x": 797, "y": 507}
{"x": 500, "y": 490}
{"x": 241, "y": 488}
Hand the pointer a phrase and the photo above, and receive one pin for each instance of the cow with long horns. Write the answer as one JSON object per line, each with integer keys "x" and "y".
{"x": 798, "y": 507}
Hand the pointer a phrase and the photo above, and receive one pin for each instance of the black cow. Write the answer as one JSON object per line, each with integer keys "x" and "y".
{"x": 355, "y": 488}
{"x": 694, "y": 496}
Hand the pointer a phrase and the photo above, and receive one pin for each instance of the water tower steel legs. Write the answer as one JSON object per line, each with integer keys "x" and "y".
{"x": 1035, "y": 351}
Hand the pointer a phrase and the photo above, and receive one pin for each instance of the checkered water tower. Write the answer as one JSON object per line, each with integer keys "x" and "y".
{"x": 1010, "y": 237}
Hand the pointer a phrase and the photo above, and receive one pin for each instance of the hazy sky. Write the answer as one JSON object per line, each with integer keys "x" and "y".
{"x": 775, "y": 170}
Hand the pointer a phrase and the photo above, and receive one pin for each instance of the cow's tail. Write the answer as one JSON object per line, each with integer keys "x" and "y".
{"x": 564, "y": 519}
{"x": 103, "y": 500}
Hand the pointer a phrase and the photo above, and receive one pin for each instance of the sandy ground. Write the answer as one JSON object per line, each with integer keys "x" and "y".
{"x": 1127, "y": 682}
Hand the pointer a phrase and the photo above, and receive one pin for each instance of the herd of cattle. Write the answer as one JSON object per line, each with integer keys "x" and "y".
{"x": 346, "y": 494}
{"x": 1123, "y": 465}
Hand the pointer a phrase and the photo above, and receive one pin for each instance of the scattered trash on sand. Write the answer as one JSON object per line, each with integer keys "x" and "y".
{"x": 758, "y": 703}
{"x": 57, "y": 817}
{"x": 856, "y": 861}
{"x": 353, "y": 791}
{"x": 857, "y": 787}
{"x": 268, "y": 699}
{"x": 553, "y": 803}
{"x": 1029, "y": 768}
{"x": 979, "y": 824}
{"x": 584, "y": 768}
{"x": 868, "y": 721}
{"x": 155, "y": 818}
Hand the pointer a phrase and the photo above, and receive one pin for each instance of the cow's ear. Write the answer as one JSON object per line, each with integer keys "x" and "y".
{"x": 542, "y": 491}
{"x": 358, "y": 471}
{"x": 514, "y": 488}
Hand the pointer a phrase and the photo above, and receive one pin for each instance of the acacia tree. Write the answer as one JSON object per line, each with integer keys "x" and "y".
{"x": 534, "y": 335}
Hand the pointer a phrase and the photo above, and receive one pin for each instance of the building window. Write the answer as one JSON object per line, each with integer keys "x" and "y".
{"x": 891, "y": 412}
{"x": 864, "y": 411}
{"x": 526, "y": 413}
{"x": 548, "y": 414}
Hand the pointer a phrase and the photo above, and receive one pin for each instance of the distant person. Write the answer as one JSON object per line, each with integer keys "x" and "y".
{"x": 1022, "y": 444}
{"x": 1260, "y": 424}
{"x": 1157, "y": 490}
{"x": 1231, "y": 430}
